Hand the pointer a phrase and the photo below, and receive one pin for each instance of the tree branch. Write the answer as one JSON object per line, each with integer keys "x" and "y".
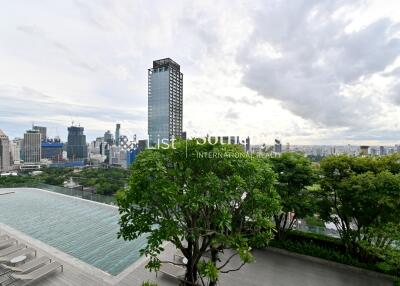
{"x": 236, "y": 269}
{"x": 227, "y": 261}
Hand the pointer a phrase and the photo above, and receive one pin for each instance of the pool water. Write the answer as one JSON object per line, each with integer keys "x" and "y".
{"x": 83, "y": 229}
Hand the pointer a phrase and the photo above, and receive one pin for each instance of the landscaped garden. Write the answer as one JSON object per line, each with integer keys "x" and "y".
{"x": 207, "y": 204}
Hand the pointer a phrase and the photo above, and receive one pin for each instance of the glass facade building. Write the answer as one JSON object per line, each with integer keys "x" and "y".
{"x": 76, "y": 146}
{"x": 165, "y": 101}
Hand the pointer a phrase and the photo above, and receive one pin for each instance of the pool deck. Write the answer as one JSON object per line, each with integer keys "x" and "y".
{"x": 272, "y": 268}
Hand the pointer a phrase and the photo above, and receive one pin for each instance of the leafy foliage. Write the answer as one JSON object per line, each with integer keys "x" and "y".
{"x": 361, "y": 196}
{"x": 106, "y": 181}
{"x": 295, "y": 177}
{"x": 199, "y": 203}
{"x": 149, "y": 283}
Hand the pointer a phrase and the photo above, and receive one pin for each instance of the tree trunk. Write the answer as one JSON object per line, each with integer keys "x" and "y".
{"x": 214, "y": 259}
{"x": 191, "y": 274}
{"x": 191, "y": 266}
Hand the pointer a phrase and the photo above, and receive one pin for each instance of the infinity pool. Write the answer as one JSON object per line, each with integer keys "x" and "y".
{"x": 83, "y": 229}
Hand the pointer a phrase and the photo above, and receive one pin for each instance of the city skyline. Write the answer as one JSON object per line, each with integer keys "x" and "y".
{"x": 241, "y": 77}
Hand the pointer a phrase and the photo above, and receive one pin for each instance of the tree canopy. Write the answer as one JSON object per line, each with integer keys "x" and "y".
{"x": 295, "y": 177}
{"x": 361, "y": 196}
{"x": 201, "y": 198}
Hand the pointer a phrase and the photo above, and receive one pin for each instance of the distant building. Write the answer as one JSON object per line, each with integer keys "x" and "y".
{"x": 108, "y": 137}
{"x": 52, "y": 150}
{"x": 247, "y": 145}
{"x": 130, "y": 157}
{"x": 76, "y": 148}
{"x": 5, "y": 155}
{"x": 42, "y": 130}
{"x": 278, "y": 146}
{"x": 122, "y": 158}
{"x": 184, "y": 135}
{"x": 114, "y": 158}
{"x": 117, "y": 135}
{"x": 287, "y": 147}
{"x": 364, "y": 150}
{"x": 165, "y": 101}
{"x": 105, "y": 151}
{"x": 32, "y": 146}
{"x": 382, "y": 151}
{"x": 15, "y": 148}
{"x": 142, "y": 145}
{"x": 95, "y": 146}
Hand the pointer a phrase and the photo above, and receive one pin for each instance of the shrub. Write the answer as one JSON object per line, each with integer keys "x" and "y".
{"x": 330, "y": 248}
{"x": 149, "y": 283}
{"x": 317, "y": 239}
{"x": 309, "y": 248}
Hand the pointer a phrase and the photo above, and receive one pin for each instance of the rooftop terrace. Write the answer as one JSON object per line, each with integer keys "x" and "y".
{"x": 272, "y": 268}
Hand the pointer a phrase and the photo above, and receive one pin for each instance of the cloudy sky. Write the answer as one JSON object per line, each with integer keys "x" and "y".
{"x": 307, "y": 72}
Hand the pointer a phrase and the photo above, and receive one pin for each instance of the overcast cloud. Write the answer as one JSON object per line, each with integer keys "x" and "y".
{"x": 307, "y": 72}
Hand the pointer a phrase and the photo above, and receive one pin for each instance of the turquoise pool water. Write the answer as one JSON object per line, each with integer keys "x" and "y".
{"x": 83, "y": 229}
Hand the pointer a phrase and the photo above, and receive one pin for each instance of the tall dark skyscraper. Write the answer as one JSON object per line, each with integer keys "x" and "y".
{"x": 117, "y": 129}
{"x": 165, "y": 100}
{"x": 76, "y": 147}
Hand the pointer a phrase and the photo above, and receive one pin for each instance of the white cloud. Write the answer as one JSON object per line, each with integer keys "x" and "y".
{"x": 304, "y": 71}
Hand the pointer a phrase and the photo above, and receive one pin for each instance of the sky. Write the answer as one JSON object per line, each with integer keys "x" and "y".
{"x": 303, "y": 71}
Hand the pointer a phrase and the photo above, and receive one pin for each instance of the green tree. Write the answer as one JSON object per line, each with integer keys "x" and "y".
{"x": 361, "y": 197}
{"x": 295, "y": 178}
{"x": 201, "y": 198}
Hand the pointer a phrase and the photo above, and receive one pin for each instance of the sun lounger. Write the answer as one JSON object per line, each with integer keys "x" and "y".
{"x": 28, "y": 266}
{"x": 178, "y": 254}
{"x": 11, "y": 249}
{"x": 7, "y": 242}
{"x": 38, "y": 273}
{"x": 172, "y": 270}
{"x": 22, "y": 252}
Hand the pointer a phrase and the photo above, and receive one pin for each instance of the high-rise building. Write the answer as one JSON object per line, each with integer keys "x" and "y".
{"x": 117, "y": 129}
{"x": 42, "y": 130}
{"x": 165, "y": 101}
{"x": 278, "y": 146}
{"x": 5, "y": 155}
{"x": 95, "y": 146}
{"x": 108, "y": 137}
{"x": 114, "y": 158}
{"x": 76, "y": 146}
{"x": 247, "y": 144}
{"x": 32, "y": 146}
{"x": 52, "y": 149}
{"x": 16, "y": 150}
